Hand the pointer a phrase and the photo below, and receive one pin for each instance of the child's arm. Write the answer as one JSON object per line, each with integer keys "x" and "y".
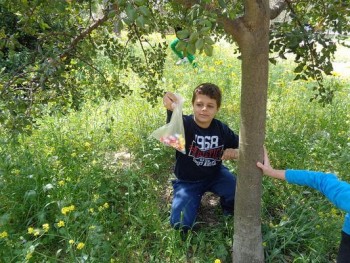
{"x": 337, "y": 191}
{"x": 169, "y": 100}
{"x": 230, "y": 154}
{"x": 268, "y": 170}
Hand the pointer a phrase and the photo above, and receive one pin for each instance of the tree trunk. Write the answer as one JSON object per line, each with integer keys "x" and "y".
{"x": 254, "y": 46}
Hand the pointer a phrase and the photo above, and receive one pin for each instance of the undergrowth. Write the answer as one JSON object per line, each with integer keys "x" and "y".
{"x": 92, "y": 186}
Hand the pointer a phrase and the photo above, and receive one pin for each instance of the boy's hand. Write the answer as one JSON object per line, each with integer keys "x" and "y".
{"x": 169, "y": 100}
{"x": 230, "y": 154}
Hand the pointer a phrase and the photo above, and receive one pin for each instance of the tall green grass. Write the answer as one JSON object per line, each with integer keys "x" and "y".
{"x": 91, "y": 186}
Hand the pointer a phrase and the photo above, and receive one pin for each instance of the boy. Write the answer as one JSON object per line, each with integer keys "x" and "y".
{"x": 200, "y": 170}
{"x": 338, "y": 192}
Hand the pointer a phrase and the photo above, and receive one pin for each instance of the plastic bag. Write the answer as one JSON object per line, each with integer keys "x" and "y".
{"x": 173, "y": 134}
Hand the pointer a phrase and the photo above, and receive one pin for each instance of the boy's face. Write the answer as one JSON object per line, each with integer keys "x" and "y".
{"x": 204, "y": 110}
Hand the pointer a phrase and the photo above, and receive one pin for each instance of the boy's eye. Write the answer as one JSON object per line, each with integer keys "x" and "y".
{"x": 201, "y": 105}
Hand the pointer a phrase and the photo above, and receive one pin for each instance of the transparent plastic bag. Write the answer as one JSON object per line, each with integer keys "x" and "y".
{"x": 173, "y": 134}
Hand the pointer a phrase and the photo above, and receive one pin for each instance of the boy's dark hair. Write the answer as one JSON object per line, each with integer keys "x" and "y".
{"x": 210, "y": 90}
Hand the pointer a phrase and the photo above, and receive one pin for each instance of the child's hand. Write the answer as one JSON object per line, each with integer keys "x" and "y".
{"x": 169, "y": 100}
{"x": 230, "y": 154}
{"x": 268, "y": 170}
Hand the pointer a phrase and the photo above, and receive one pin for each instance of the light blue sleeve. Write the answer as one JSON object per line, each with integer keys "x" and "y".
{"x": 337, "y": 191}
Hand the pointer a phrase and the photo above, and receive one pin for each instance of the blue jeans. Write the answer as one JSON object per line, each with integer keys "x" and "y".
{"x": 187, "y": 197}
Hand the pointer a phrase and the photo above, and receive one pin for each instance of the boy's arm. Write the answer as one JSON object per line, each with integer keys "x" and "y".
{"x": 230, "y": 154}
{"x": 169, "y": 101}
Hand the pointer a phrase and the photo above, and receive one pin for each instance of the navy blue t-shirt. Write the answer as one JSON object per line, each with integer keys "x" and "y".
{"x": 204, "y": 148}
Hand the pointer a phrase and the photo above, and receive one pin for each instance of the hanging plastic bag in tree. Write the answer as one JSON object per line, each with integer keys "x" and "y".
{"x": 173, "y": 134}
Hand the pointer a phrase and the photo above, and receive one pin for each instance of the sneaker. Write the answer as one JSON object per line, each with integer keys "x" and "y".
{"x": 182, "y": 61}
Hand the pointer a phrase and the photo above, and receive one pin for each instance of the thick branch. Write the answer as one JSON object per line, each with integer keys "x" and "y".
{"x": 232, "y": 27}
{"x": 255, "y": 10}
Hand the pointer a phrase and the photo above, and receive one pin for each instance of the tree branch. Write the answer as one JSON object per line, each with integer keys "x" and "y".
{"x": 232, "y": 27}
{"x": 277, "y": 9}
{"x": 85, "y": 33}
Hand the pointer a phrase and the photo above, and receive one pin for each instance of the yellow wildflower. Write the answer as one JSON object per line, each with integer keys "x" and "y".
{"x": 30, "y": 230}
{"x": 61, "y": 183}
{"x": 67, "y": 209}
{"x": 16, "y": 172}
{"x": 80, "y": 245}
{"x": 46, "y": 227}
{"x": 91, "y": 210}
{"x": 71, "y": 241}
{"x": 106, "y": 205}
{"x": 217, "y": 261}
{"x": 60, "y": 223}
{"x": 3, "y": 234}
{"x": 29, "y": 256}
{"x": 36, "y": 232}
{"x": 96, "y": 196}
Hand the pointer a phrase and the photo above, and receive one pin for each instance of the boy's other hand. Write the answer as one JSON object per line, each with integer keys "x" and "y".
{"x": 230, "y": 154}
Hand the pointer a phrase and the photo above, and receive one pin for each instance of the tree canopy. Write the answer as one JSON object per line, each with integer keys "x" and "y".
{"x": 49, "y": 50}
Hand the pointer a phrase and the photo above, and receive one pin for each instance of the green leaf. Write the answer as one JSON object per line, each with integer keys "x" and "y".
{"x": 139, "y": 2}
{"x": 181, "y": 46}
{"x": 199, "y": 43}
{"x": 112, "y": 14}
{"x": 205, "y": 30}
{"x": 191, "y": 48}
{"x": 193, "y": 37}
{"x": 208, "y": 50}
{"x": 140, "y": 21}
{"x": 119, "y": 26}
{"x": 145, "y": 11}
{"x": 273, "y": 61}
{"x": 208, "y": 40}
{"x": 131, "y": 13}
{"x": 183, "y": 34}
{"x": 121, "y": 2}
{"x": 222, "y": 4}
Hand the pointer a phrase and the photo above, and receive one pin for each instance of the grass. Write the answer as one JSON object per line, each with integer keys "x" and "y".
{"x": 68, "y": 195}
